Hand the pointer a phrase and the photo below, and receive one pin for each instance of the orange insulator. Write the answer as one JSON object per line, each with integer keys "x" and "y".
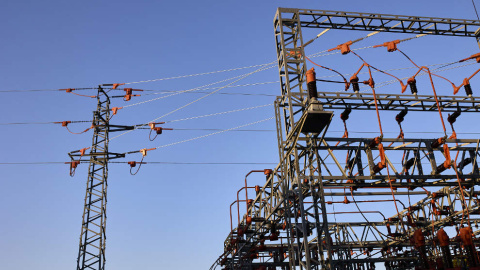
{"x": 466, "y": 85}
{"x": 249, "y": 220}
{"x": 311, "y": 75}
{"x": 354, "y": 82}
{"x": 267, "y": 172}
{"x": 443, "y": 238}
{"x": 345, "y": 114}
{"x": 466, "y": 236}
{"x": 453, "y": 117}
{"x": 413, "y": 85}
{"x": 401, "y": 115}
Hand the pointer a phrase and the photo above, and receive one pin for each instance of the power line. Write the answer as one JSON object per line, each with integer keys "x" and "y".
{"x": 270, "y": 65}
{"x": 475, "y": 9}
{"x": 43, "y": 123}
{"x": 192, "y": 102}
{"x": 44, "y": 90}
{"x": 150, "y": 162}
{"x": 206, "y": 135}
{"x": 176, "y": 120}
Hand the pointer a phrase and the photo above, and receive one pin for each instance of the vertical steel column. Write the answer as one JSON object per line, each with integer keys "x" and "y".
{"x": 91, "y": 254}
{"x": 296, "y": 162}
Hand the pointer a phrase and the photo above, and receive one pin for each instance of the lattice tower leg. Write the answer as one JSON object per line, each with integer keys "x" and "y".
{"x": 91, "y": 254}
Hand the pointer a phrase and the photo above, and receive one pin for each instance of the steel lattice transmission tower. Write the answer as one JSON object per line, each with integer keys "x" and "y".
{"x": 91, "y": 254}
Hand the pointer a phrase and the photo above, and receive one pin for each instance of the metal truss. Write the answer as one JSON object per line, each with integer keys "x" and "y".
{"x": 396, "y": 102}
{"x": 287, "y": 224}
{"x": 91, "y": 254}
{"x": 379, "y": 22}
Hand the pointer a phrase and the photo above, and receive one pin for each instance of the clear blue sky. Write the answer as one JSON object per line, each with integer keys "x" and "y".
{"x": 167, "y": 216}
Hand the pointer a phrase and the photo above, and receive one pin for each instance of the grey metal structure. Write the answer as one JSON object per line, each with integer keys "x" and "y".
{"x": 308, "y": 18}
{"x": 287, "y": 225}
{"x": 91, "y": 254}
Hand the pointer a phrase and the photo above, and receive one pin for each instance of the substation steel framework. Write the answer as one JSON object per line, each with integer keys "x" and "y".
{"x": 286, "y": 224}
{"x": 91, "y": 254}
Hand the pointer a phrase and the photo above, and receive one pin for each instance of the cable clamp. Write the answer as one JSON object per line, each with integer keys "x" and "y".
{"x": 145, "y": 150}
{"x": 115, "y": 109}
{"x": 344, "y": 48}
{"x": 370, "y": 82}
{"x": 152, "y": 125}
{"x": 391, "y": 45}
{"x": 129, "y": 93}
{"x": 133, "y": 164}
{"x": 115, "y": 85}
{"x": 73, "y": 166}
{"x": 159, "y": 130}
{"x": 83, "y": 150}
{"x": 64, "y": 123}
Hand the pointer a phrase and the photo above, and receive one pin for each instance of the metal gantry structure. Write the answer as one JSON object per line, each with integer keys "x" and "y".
{"x": 286, "y": 224}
